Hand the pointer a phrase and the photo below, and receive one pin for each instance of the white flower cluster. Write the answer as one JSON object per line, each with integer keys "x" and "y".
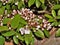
{"x": 24, "y": 31}
{"x": 27, "y": 14}
{"x": 46, "y": 25}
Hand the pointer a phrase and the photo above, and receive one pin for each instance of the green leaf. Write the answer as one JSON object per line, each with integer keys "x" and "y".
{"x": 22, "y": 21}
{"x": 43, "y": 6}
{"x": 46, "y": 32}
{"x": 3, "y": 28}
{"x": 58, "y": 12}
{"x": 19, "y": 36}
{"x": 51, "y": 20}
{"x": 28, "y": 39}
{"x": 53, "y": 13}
{"x": 56, "y": 7}
{"x": 6, "y": 20}
{"x": 58, "y": 33}
{"x": 9, "y": 33}
{"x": 58, "y": 17}
{"x": 2, "y": 40}
{"x": 55, "y": 23}
{"x": 48, "y": 16}
{"x": 37, "y": 3}
{"x": 39, "y": 33}
{"x": 20, "y": 4}
{"x": 7, "y": 6}
{"x": 20, "y": 26}
{"x": 42, "y": 1}
{"x": 1, "y": 4}
{"x": 14, "y": 7}
{"x": 30, "y": 3}
{"x": 15, "y": 21}
{"x": 32, "y": 41}
{"x": 2, "y": 10}
{"x": 15, "y": 40}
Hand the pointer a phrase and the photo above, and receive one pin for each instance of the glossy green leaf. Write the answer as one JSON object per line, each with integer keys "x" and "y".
{"x": 58, "y": 33}
{"x": 3, "y": 28}
{"x": 8, "y": 33}
{"x": 56, "y": 7}
{"x": 32, "y": 41}
{"x": 22, "y": 21}
{"x": 20, "y": 26}
{"x": 43, "y": 6}
{"x": 15, "y": 21}
{"x": 53, "y": 13}
{"x": 15, "y": 40}
{"x": 58, "y": 12}
{"x": 54, "y": 23}
{"x": 51, "y": 20}
{"x": 48, "y": 16}
{"x": 6, "y": 20}
{"x": 38, "y": 3}
{"x": 46, "y": 32}
{"x": 58, "y": 17}
{"x": 2, "y": 40}
{"x": 20, "y": 4}
{"x": 42, "y": 1}
{"x": 19, "y": 36}
{"x": 2, "y": 10}
{"x": 30, "y": 3}
{"x": 39, "y": 33}
{"x": 28, "y": 39}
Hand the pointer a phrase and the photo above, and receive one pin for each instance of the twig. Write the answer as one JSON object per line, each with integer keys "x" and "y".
{"x": 44, "y": 11}
{"x": 53, "y": 31}
{"x": 50, "y": 3}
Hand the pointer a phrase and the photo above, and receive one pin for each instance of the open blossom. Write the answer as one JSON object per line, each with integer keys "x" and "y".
{"x": 27, "y": 31}
{"x": 24, "y": 31}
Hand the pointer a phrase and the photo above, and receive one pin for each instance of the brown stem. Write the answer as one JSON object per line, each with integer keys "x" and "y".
{"x": 44, "y": 12}
{"x": 50, "y": 3}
